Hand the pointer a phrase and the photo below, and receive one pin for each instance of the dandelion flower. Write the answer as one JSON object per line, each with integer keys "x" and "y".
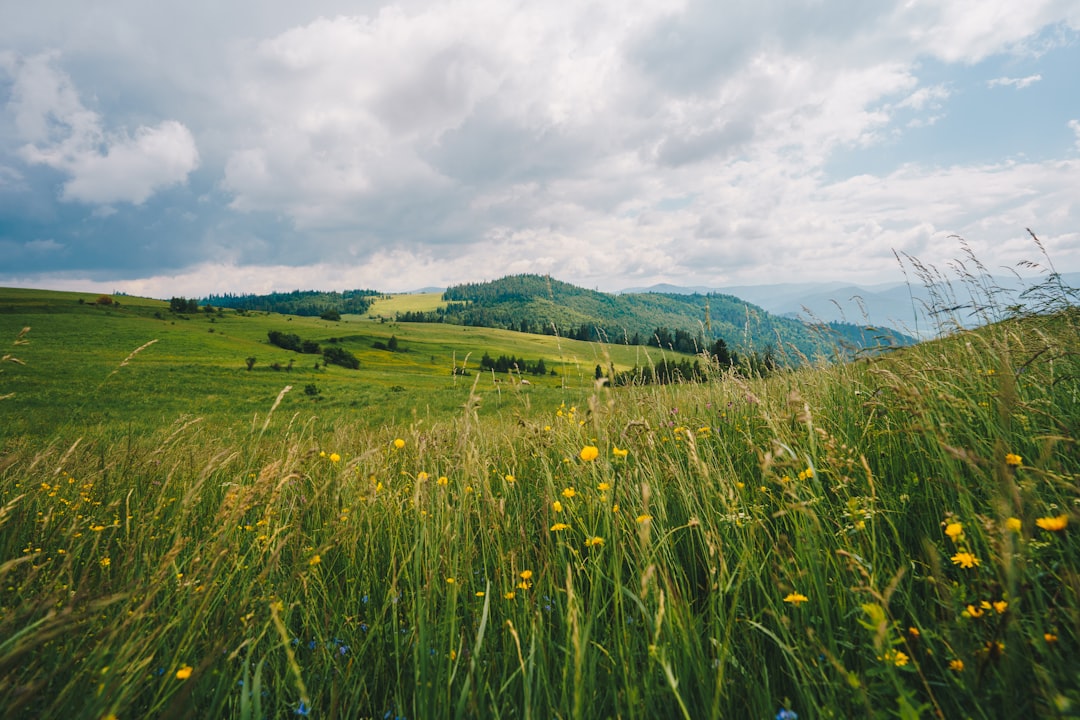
{"x": 1014, "y": 524}
{"x": 334, "y": 457}
{"x": 956, "y": 665}
{"x": 603, "y": 487}
{"x": 954, "y": 530}
{"x": 559, "y": 526}
{"x": 509, "y": 595}
{"x": 1013, "y": 459}
{"x": 450, "y": 581}
{"x": 315, "y": 560}
{"x": 479, "y": 593}
{"x": 422, "y": 476}
{"x": 1001, "y": 606}
{"x": 975, "y": 612}
{"x": 443, "y": 480}
{"x": 965, "y": 559}
{"x": 643, "y": 518}
{"x": 399, "y": 443}
{"x": 1053, "y": 524}
{"x": 526, "y": 574}
{"x": 184, "y": 673}
{"x": 568, "y": 493}
{"x": 510, "y": 478}
{"x": 795, "y": 598}
{"x": 589, "y": 453}
{"x": 556, "y": 506}
{"x": 913, "y": 631}
{"x": 619, "y": 453}
{"x": 594, "y": 541}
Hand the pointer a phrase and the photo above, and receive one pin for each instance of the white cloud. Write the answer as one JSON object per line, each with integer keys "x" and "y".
{"x": 1074, "y": 125}
{"x": 103, "y": 166}
{"x": 1018, "y": 83}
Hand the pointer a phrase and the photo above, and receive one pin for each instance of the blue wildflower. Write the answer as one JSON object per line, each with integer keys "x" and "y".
{"x": 785, "y": 714}
{"x": 303, "y": 709}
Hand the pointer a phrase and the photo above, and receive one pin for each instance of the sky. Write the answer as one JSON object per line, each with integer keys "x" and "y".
{"x": 266, "y": 145}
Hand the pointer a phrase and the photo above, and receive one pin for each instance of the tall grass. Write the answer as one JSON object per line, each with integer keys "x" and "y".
{"x": 888, "y": 537}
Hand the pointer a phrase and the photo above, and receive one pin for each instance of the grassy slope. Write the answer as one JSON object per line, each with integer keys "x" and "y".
{"x": 776, "y": 543}
{"x": 196, "y": 365}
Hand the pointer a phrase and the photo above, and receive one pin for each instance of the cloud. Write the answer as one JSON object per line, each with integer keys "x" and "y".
{"x": 1018, "y": 83}
{"x": 1074, "y": 125}
{"x": 102, "y": 166}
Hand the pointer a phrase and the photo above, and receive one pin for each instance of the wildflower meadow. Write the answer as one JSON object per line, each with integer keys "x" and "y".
{"x": 895, "y": 536}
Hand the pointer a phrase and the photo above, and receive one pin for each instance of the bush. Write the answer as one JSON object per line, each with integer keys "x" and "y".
{"x": 332, "y": 315}
{"x": 286, "y": 341}
{"x": 340, "y": 356}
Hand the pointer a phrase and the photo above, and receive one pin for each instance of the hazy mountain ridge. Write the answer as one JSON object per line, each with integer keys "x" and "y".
{"x": 906, "y": 307}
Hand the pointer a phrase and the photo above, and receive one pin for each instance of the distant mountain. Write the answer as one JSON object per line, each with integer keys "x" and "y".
{"x": 913, "y": 309}
{"x": 539, "y": 304}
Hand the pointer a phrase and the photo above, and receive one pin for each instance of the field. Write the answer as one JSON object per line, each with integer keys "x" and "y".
{"x": 182, "y": 537}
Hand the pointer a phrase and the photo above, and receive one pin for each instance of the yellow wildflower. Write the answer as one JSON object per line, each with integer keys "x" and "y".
{"x": 568, "y": 493}
{"x": 913, "y": 631}
{"x": 974, "y": 612}
{"x": 619, "y": 453}
{"x": 510, "y": 478}
{"x": 603, "y": 487}
{"x": 594, "y": 541}
{"x": 105, "y": 562}
{"x": 954, "y": 530}
{"x": 956, "y": 665}
{"x": 450, "y": 581}
{"x": 508, "y": 595}
{"x": 334, "y": 457}
{"x": 422, "y": 476}
{"x": 399, "y": 443}
{"x": 315, "y": 560}
{"x": 1014, "y": 524}
{"x": 557, "y": 506}
{"x": 1001, "y": 606}
{"x": 184, "y": 673}
{"x": 1050, "y": 637}
{"x": 796, "y": 598}
{"x": 559, "y": 526}
{"x": 589, "y": 453}
{"x": 443, "y": 480}
{"x": 643, "y": 518}
{"x": 965, "y": 559}
{"x": 1053, "y": 524}
{"x": 897, "y": 658}
{"x": 526, "y": 574}
{"x": 1013, "y": 459}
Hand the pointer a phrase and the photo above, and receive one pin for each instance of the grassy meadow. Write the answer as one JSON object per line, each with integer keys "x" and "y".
{"x": 182, "y": 537}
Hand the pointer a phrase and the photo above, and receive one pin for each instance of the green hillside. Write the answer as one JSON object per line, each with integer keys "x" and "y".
{"x": 539, "y": 304}
{"x": 195, "y": 365}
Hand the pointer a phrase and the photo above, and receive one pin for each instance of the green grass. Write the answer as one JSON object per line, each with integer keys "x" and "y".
{"x": 238, "y": 561}
{"x": 195, "y": 366}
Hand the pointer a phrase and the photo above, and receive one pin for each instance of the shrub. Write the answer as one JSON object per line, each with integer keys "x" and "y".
{"x": 340, "y": 356}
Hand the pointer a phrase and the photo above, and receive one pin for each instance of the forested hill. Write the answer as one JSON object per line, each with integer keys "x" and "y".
{"x": 299, "y": 302}
{"x": 539, "y": 304}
